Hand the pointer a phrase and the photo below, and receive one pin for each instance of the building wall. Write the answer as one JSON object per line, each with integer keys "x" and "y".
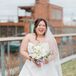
{"x": 42, "y": 1}
{"x": 27, "y": 27}
{"x": 55, "y": 15}
{"x": 40, "y": 11}
{"x": 52, "y": 13}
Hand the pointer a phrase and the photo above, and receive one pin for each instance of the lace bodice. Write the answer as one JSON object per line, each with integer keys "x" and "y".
{"x": 44, "y": 47}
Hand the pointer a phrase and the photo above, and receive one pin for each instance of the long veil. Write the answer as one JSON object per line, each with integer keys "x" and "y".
{"x": 53, "y": 45}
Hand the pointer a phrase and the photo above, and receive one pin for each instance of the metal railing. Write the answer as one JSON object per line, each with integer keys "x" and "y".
{"x": 11, "y": 61}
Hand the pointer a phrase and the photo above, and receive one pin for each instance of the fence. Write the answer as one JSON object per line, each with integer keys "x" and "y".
{"x": 12, "y": 62}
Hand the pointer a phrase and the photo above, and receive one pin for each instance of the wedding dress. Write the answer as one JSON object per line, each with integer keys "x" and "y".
{"x": 31, "y": 69}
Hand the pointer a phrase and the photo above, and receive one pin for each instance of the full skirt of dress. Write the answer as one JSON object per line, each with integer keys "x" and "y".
{"x": 30, "y": 69}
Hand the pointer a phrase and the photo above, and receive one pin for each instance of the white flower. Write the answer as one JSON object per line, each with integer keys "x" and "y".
{"x": 38, "y": 51}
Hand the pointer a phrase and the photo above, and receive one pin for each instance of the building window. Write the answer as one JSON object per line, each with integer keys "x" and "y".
{"x": 3, "y": 31}
{"x": 56, "y": 14}
{"x": 6, "y": 31}
{"x": 10, "y": 30}
{"x": 20, "y": 30}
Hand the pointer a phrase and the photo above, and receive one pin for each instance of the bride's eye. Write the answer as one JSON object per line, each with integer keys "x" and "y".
{"x": 41, "y": 25}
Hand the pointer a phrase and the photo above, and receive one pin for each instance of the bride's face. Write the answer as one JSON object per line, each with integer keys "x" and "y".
{"x": 41, "y": 28}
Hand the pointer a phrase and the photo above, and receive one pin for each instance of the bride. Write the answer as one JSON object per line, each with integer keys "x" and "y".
{"x": 41, "y": 38}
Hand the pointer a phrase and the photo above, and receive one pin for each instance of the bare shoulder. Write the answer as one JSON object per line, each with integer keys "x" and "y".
{"x": 28, "y": 36}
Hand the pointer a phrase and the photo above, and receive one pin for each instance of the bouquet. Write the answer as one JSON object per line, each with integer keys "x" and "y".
{"x": 39, "y": 53}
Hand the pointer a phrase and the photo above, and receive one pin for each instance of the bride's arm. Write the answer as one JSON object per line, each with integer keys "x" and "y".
{"x": 23, "y": 47}
{"x": 53, "y": 55}
{"x": 54, "y": 52}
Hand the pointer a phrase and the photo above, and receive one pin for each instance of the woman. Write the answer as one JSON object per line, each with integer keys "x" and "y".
{"x": 47, "y": 66}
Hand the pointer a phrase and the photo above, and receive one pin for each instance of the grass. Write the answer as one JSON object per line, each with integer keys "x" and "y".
{"x": 69, "y": 68}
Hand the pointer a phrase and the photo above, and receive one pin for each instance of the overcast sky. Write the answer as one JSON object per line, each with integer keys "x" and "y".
{"x": 8, "y": 8}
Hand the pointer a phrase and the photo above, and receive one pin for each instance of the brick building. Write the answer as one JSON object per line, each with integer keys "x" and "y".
{"x": 41, "y": 9}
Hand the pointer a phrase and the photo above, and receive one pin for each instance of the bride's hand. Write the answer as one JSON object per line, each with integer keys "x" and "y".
{"x": 41, "y": 64}
{"x": 46, "y": 61}
{"x": 36, "y": 63}
{"x": 29, "y": 58}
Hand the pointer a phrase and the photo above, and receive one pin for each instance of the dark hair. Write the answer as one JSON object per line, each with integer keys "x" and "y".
{"x": 36, "y": 24}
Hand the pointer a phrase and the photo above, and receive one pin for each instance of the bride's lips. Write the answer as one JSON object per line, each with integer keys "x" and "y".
{"x": 41, "y": 30}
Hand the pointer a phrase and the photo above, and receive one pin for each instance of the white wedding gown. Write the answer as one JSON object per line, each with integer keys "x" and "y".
{"x": 30, "y": 69}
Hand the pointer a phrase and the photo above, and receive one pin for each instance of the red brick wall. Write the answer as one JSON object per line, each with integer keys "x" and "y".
{"x": 44, "y": 10}
{"x": 55, "y": 22}
{"x": 40, "y": 11}
{"x": 27, "y": 27}
{"x": 42, "y": 1}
